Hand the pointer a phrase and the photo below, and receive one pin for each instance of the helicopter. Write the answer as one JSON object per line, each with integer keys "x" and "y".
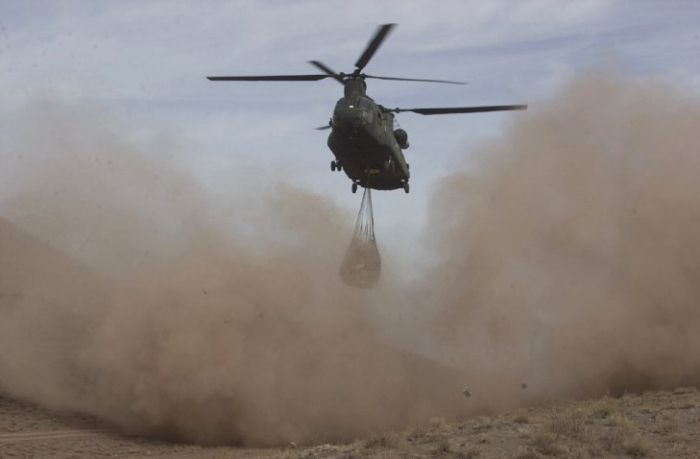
{"x": 364, "y": 138}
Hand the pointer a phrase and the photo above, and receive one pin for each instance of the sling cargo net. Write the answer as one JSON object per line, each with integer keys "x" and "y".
{"x": 362, "y": 264}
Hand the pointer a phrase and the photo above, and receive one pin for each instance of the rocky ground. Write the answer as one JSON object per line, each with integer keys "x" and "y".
{"x": 655, "y": 424}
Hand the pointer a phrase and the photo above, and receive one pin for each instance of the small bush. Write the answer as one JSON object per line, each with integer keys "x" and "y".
{"x": 385, "y": 440}
{"x": 668, "y": 424}
{"x": 622, "y": 437}
{"x": 614, "y": 438}
{"x": 637, "y": 447}
{"x": 602, "y": 409}
{"x": 469, "y": 454}
{"x": 442, "y": 447}
{"x": 528, "y": 455}
{"x": 547, "y": 444}
{"x": 569, "y": 424}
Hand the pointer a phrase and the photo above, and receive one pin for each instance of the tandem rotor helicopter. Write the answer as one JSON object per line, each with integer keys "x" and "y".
{"x": 363, "y": 138}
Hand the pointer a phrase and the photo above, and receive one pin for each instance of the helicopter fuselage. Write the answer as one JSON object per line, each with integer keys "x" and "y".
{"x": 365, "y": 143}
{"x": 363, "y": 139}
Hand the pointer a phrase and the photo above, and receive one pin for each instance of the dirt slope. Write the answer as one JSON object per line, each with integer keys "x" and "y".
{"x": 655, "y": 424}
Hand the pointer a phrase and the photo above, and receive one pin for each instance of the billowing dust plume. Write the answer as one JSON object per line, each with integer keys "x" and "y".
{"x": 564, "y": 256}
{"x": 567, "y": 254}
{"x": 170, "y": 311}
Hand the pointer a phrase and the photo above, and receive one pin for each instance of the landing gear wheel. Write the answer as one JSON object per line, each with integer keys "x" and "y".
{"x": 339, "y": 166}
{"x": 354, "y": 188}
{"x": 406, "y": 188}
{"x": 333, "y": 166}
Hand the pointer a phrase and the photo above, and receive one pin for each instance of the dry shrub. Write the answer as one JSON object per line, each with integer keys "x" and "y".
{"x": 667, "y": 424}
{"x": 570, "y": 423}
{"x": 622, "y": 437}
{"x": 528, "y": 455}
{"x": 383, "y": 440}
{"x": 471, "y": 453}
{"x": 602, "y": 408}
{"x": 547, "y": 444}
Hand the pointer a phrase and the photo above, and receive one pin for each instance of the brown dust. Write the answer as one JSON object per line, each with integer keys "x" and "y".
{"x": 564, "y": 262}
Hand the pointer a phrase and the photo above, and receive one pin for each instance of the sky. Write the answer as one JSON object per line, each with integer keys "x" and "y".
{"x": 146, "y": 63}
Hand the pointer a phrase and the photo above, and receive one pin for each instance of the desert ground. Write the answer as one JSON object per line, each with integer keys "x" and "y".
{"x": 662, "y": 424}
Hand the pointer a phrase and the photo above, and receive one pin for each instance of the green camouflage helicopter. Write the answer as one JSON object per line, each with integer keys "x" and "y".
{"x": 363, "y": 139}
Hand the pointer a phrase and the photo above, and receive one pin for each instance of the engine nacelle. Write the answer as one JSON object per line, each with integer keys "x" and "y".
{"x": 401, "y": 137}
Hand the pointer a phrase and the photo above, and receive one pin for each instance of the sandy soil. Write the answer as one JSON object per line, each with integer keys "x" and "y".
{"x": 654, "y": 424}
{"x": 29, "y": 431}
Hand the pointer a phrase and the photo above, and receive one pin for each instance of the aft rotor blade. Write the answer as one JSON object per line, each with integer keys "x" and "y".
{"x": 374, "y": 44}
{"x": 269, "y": 78}
{"x": 328, "y": 70}
{"x": 451, "y": 110}
{"x": 414, "y": 79}
{"x": 323, "y": 128}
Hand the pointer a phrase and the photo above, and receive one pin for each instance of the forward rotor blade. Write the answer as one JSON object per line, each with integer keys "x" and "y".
{"x": 414, "y": 79}
{"x": 269, "y": 78}
{"x": 330, "y": 72}
{"x": 323, "y": 128}
{"x": 373, "y": 45}
{"x": 451, "y": 110}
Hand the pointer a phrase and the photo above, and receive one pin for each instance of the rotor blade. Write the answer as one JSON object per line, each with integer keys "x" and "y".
{"x": 373, "y": 45}
{"x": 414, "y": 79}
{"x": 269, "y": 78}
{"x": 328, "y": 70}
{"x": 451, "y": 110}
{"x": 323, "y": 128}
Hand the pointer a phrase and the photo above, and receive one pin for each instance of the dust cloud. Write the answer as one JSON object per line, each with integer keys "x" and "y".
{"x": 131, "y": 294}
{"x": 567, "y": 254}
{"x": 564, "y": 255}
